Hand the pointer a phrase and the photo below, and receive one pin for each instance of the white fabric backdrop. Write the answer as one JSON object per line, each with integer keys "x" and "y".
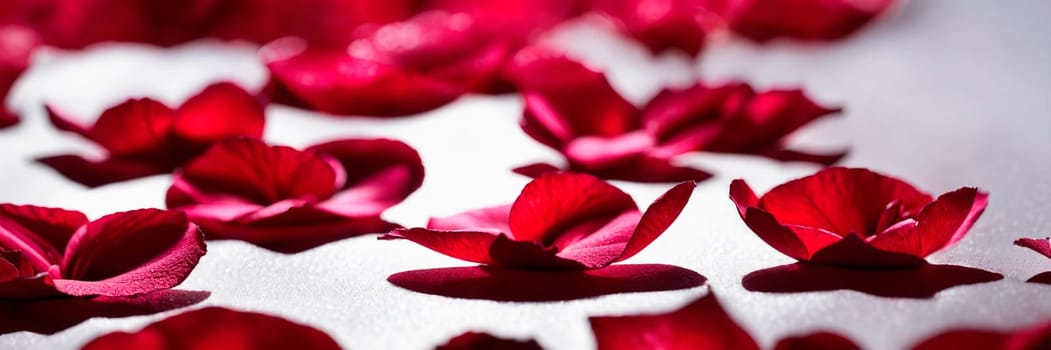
{"x": 942, "y": 93}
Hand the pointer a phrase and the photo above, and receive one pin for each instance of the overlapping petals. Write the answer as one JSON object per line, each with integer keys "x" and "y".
{"x": 16, "y": 46}
{"x": 287, "y": 200}
{"x": 1028, "y": 338}
{"x": 661, "y": 25}
{"x": 218, "y": 328}
{"x": 857, "y": 218}
{"x": 48, "y": 251}
{"x": 599, "y": 132}
{"x": 763, "y": 20}
{"x": 562, "y": 221}
{"x": 485, "y": 341}
{"x": 143, "y": 137}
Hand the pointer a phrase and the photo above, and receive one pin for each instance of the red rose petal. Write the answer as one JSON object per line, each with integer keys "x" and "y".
{"x": 807, "y": 20}
{"x": 1029, "y": 338}
{"x": 219, "y": 111}
{"x": 218, "y": 328}
{"x": 53, "y": 225}
{"x": 658, "y": 217}
{"x": 52, "y": 315}
{"x": 17, "y": 44}
{"x": 329, "y": 23}
{"x": 466, "y": 245}
{"x": 798, "y": 243}
{"x": 816, "y": 341}
{"x": 8, "y": 118}
{"x": 379, "y": 174}
{"x": 853, "y": 251}
{"x": 553, "y": 202}
{"x": 261, "y": 173}
{"x": 130, "y": 253}
{"x": 660, "y": 24}
{"x": 95, "y": 173}
{"x": 840, "y": 200}
{"x": 598, "y": 153}
{"x": 767, "y": 118}
{"x": 1042, "y": 246}
{"x": 301, "y": 233}
{"x": 494, "y": 219}
{"x": 528, "y": 255}
{"x": 703, "y": 324}
{"x": 536, "y": 169}
{"x": 649, "y": 169}
{"x": 485, "y": 341}
{"x": 337, "y": 83}
{"x": 941, "y": 223}
{"x": 135, "y": 127}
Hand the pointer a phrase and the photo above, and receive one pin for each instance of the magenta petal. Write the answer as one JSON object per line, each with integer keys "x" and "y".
{"x": 294, "y": 237}
{"x": 490, "y": 219}
{"x": 52, "y": 225}
{"x": 131, "y": 253}
{"x": 471, "y": 246}
{"x": 702, "y": 324}
{"x": 1042, "y": 246}
{"x": 95, "y": 173}
{"x": 658, "y": 217}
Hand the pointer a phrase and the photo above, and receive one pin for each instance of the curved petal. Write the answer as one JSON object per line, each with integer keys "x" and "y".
{"x": 762, "y": 21}
{"x": 652, "y": 170}
{"x": 590, "y": 152}
{"x": 261, "y": 173}
{"x": 215, "y": 327}
{"x": 134, "y": 127}
{"x": 481, "y": 341}
{"x": 852, "y": 251}
{"x": 490, "y": 219}
{"x": 658, "y": 217}
{"x": 536, "y": 170}
{"x": 940, "y": 224}
{"x": 335, "y": 82}
{"x": 760, "y": 124}
{"x": 1042, "y": 246}
{"x": 63, "y": 121}
{"x": 219, "y": 111}
{"x": 53, "y": 225}
{"x": 197, "y": 204}
{"x": 294, "y": 231}
{"x": 816, "y": 341}
{"x": 8, "y": 118}
{"x": 131, "y": 253}
{"x": 466, "y": 245}
{"x": 660, "y": 25}
{"x": 380, "y": 173}
{"x": 840, "y": 200}
{"x": 702, "y": 324}
{"x": 555, "y": 202}
{"x": 95, "y": 173}
{"x": 797, "y": 242}
{"x": 674, "y": 112}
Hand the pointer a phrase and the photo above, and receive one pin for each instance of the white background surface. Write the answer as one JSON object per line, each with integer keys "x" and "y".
{"x": 941, "y": 93}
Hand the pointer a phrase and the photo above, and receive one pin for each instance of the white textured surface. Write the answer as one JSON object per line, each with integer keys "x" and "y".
{"x": 943, "y": 93}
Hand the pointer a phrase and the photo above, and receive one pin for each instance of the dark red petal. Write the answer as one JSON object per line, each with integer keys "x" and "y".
{"x": 527, "y": 255}
{"x": 1030, "y": 338}
{"x": 337, "y": 83}
{"x": 296, "y": 230}
{"x": 1042, "y": 246}
{"x": 658, "y": 217}
{"x": 536, "y": 169}
{"x": 63, "y": 121}
{"x": 485, "y": 341}
{"x": 816, "y": 341}
{"x": 651, "y": 169}
{"x": 674, "y": 113}
{"x": 8, "y": 118}
{"x": 807, "y": 20}
{"x": 134, "y": 127}
{"x": 521, "y": 19}
{"x": 219, "y": 111}
{"x": 471, "y": 246}
{"x": 330, "y": 23}
{"x": 379, "y": 174}
{"x": 54, "y": 226}
{"x": 490, "y": 219}
{"x": 218, "y": 328}
{"x": 553, "y": 203}
{"x": 703, "y": 324}
{"x": 261, "y": 173}
{"x": 788, "y": 155}
{"x": 95, "y": 173}
{"x": 852, "y": 251}
{"x": 581, "y": 102}
{"x": 660, "y": 24}
{"x": 45, "y": 315}
{"x": 940, "y": 224}
{"x": 131, "y": 253}
{"x": 840, "y": 200}
{"x": 17, "y": 44}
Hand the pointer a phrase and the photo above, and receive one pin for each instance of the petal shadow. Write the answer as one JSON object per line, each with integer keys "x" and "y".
{"x": 1043, "y": 277}
{"x": 498, "y": 284}
{"x": 918, "y": 282}
{"x": 50, "y": 316}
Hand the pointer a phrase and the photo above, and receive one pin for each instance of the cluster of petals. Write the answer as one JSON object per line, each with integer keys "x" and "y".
{"x": 143, "y": 137}
{"x": 598, "y": 131}
{"x": 218, "y": 328}
{"x": 854, "y": 217}
{"x": 289, "y": 200}
{"x": 560, "y": 221}
{"x": 47, "y": 252}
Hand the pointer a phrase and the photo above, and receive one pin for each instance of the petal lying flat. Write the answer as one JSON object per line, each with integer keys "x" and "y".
{"x": 555, "y": 202}
{"x": 536, "y": 169}
{"x": 788, "y": 155}
{"x": 337, "y": 83}
{"x": 652, "y": 170}
{"x": 940, "y": 224}
{"x": 660, "y": 24}
{"x": 816, "y": 341}
{"x": 840, "y": 200}
{"x": 853, "y": 251}
{"x": 379, "y": 174}
{"x": 807, "y": 20}
{"x": 135, "y": 127}
{"x": 261, "y": 173}
{"x": 703, "y": 324}
{"x": 131, "y": 253}
{"x": 219, "y": 111}
{"x": 218, "y": 328}
{"x": 1039, "y": 245}
{"x": 485, "y": 341}
{"x": 1035, "y": 337}
{"x": 658, "y": 217}
{"x": 466, "y": 245}
{"x": 299, "y": 231}
{"x": 491, "y": 219}
{"x": 95, "y": 173}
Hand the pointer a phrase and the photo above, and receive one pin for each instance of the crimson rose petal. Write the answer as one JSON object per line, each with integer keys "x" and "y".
{"x": 816, "y": 341}
{"x": 1029, "y": 338}
{"x": 17, "y": 44}
{"x": 1042, "y": 246}
{"x": 763, "y": 20}
{"x": 218, "y": 328}
{"x": 289, "y": 200}
{"x": 660, "y": 24}
{"x": 855, "y": 217}
{"x": 485, "y": 341}
{"x": 560, "y": 221}
{"x": 702, "y": 324}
